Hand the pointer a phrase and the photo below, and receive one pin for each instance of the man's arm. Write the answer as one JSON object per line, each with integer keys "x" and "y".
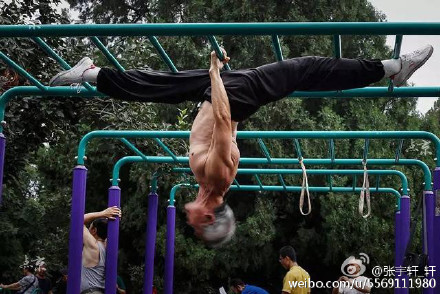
{"x": 14, "y": 286}
{"x": 222, "y": 113}
{"x": 111, "y": 213}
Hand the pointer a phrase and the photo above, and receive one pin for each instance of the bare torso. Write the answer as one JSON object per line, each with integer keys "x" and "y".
{"x": 213, "y": 174}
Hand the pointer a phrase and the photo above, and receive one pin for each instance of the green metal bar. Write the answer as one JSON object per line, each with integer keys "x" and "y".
{"x": 280, "y": 177}
{"x": 354, "y": 182}
{"x": 396, "y": 54}
{"x": 372, "y": 92}
{"x": 264, "y": 149}
{"x": 365, "y": 152}
{"x": 398, "y": 150}
{"x": 330, "y": 182}
{"x": 326, "y": 172}
{"x": 55, "y": 56}
{"x": 202, "y": 29}
{"x": 297, "y": 148}
{"x": 288, "y": 161}
{"x": 35, "y": 91}
{"x": 277, "y": 47}
{"x": 22, "y": 72}
{"x": 331, "y": 149}
{"x": 236, "y": 183}
{"x": 397, "y": 46}
{"x": 133, "y": 148}
{"x": 287, "y": 189}
{"x": 154, "y": 182}
{"x": 378, "y": 183}
{"x": 337, "y": 45}
{"x": 217, "y": 50}
{"x": 267, "y": 134}
{"x": 166, "y": 149}
{"x": 258, "y": 181}
{"x": 107, "y": 53}
{"x": 162, "y": 53}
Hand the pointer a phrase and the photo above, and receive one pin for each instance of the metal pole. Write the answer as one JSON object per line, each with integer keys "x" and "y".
{"x": 150, "y": 243}
{"x": 2, "y": 162}
{"x": 402, "y": 229}
{"x": 169, "y": 249}
{"x": 436, "y": 189}
{"x": 429, "y": 206}
{"x": 111, "y": 258}
{"x": 76, "y": 229}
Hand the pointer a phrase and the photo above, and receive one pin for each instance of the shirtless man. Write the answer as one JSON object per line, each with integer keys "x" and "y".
{"x": 230, "y": 97}
{"x": 213, "y": 158}
{"x": 93, "y": 256}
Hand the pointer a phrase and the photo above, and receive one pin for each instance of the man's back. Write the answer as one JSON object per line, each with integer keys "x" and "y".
{"x": 94, "y": 277}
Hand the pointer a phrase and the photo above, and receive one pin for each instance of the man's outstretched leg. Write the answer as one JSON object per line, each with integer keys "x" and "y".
{"x": 138, "y": 85}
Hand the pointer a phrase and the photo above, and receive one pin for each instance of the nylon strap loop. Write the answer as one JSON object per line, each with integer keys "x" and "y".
{"x": 365, "y": 193}
{"x": 304, "y": 189}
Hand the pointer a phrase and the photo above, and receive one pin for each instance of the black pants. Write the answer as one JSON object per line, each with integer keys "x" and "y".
{"x": 247, "y": 89}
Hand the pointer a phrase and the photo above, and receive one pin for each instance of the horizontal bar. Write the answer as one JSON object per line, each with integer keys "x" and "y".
{"x": 269, "y": 171}
{"x": 289, "y": 189}
{"x": 266, "y": 134}
{"x": 372, "y": 92}
{"x": 290, "y": 161}
{"x": 202, "y": 29}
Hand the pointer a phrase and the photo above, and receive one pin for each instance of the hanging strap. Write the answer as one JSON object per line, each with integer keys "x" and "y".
{"x": 304, "y": 189}
{"x": 365, "y": 193}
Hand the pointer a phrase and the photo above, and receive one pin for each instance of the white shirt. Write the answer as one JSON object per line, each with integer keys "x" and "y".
{"x": 359, "y": 282}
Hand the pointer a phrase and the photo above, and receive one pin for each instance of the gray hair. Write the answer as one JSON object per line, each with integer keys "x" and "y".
{"x": 223, "y": 228}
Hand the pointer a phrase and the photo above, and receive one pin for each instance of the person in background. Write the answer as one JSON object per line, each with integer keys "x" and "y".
{"x": 61, "y": 284}
{"x": 28, "y": 283}
{"x": 44, "y": 282}
{"x": 238, "y": 286}
{"x": 120, "y": 286}
{"x": 295, "y": 281}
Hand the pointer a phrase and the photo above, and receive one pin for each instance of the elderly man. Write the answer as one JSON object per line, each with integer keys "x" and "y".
{"x": 230, "y": 97}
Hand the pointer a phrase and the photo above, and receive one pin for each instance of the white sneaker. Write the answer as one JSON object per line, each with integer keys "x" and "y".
{"x": 73, "y": 75}
{"x": 410, "y": 63}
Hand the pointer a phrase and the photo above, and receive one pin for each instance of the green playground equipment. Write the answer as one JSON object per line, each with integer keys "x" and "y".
{"x": 39, "y": 32}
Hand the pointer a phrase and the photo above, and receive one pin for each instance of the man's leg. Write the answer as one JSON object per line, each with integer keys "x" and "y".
{"x": 327, "y": 74}
{"x": 138, "y": 85}
{"x": 330, "y": 74}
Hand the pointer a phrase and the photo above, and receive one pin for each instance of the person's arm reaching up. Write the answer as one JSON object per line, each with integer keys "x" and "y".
{"x": 221, "y": 138}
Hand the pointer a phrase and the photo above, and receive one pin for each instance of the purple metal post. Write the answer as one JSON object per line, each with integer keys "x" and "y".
{"x": 402, "y": 232}
{"x": 111, "y": 258}
{"x": 169, "y": 253}
{"x": 150, "y": 242}
{"x": 429, "y": 203}
{"x": 2, "y": 163}
{"x": 436, "y": 188}
{"x": 76, "y": 228}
